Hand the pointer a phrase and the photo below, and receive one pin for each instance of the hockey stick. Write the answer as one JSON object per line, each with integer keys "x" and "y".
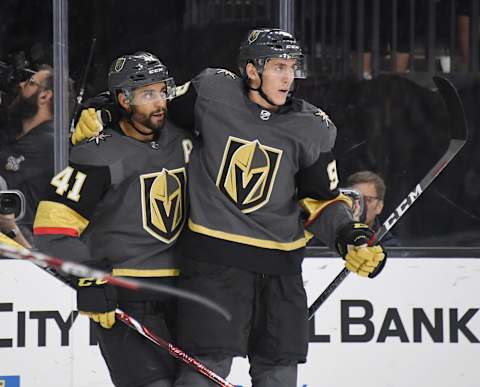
{"x": 459, "y": 132}
{"x": 147, "y": 333}
{"x": 121, "y": 315}
{"x": 172, "y": 350}
{"x": 80, "y": 270}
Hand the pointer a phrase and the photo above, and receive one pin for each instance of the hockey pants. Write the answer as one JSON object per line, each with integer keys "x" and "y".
{"x": 264, "y": 373}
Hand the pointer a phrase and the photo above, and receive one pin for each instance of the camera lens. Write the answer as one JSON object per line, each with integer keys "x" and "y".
{"x": 9, "y": 203}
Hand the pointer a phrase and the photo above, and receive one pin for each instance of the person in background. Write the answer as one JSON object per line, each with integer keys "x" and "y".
{"x": 464, "y": 17}
{"x": 372, "y": 187}
{"x": 27, "y": 161}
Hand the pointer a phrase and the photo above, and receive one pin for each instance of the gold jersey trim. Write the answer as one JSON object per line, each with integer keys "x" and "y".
{"x": 57, "y": 215}
{"x": 315, "y": 207}
{"x": 146, "y": 272}
{"x": 266, "y": 244}
{"x": 308, "y": 236}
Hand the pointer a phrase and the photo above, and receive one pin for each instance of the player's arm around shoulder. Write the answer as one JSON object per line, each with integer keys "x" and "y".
{"x": 96, "y": 113}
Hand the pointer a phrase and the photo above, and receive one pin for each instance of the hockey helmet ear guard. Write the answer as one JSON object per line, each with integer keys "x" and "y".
{"x": 129, "y": 72}
{"x": 267, "y": 43}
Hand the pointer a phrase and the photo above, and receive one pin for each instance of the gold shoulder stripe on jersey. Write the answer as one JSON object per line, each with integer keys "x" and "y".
{"x": 56, "y": 215}
{"x": 315, "y": 207}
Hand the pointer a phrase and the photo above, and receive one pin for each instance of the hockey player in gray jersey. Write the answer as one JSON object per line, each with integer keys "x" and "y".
{"x": 264, "y": 158}
{"x": 121, "y": 205}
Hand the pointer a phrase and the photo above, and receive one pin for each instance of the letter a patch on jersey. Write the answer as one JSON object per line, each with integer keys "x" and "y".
{"x": 164, "y": 203}
{"x": 248, "y": 172}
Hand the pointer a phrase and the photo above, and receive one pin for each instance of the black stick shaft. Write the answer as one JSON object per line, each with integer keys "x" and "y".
{"x": 459, "y": 133}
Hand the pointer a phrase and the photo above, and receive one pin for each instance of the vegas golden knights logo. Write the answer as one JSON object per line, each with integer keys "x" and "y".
{"x": 248, "y": 172}
{"x": 253, "y": 36}
{"x": 119, "y": 64}
{"x": 164, "y": 203}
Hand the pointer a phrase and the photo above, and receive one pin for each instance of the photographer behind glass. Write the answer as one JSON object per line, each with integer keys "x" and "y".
{"x": 26, "y": 158}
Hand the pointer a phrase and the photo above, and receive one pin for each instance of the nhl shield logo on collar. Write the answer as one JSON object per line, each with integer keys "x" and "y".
{"x": 265, "y": 114}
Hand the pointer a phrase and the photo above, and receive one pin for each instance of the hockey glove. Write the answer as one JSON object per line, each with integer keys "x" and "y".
{"x": 96, "y": 113}
{"x": 97, "y": 300}
{"x": 352, "y": 245}
{"x": 87, "y": 126}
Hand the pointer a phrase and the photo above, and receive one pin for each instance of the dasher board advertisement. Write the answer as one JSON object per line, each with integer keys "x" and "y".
{"x": 417, "y": 324}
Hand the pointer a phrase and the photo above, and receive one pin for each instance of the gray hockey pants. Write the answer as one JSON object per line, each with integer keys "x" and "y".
{"x": 263, "y": 372}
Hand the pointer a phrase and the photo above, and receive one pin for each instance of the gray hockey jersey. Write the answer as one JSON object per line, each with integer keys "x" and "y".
{"x": 124, "y": 199}
{"x": 249, "y": 173}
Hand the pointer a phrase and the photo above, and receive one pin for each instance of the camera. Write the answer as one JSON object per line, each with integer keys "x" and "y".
{"x": 12, "y": 202}
{"x": 12, "y": 74}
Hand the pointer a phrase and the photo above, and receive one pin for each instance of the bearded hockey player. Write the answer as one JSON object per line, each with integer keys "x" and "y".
{"x": 264, "y": 158}
{"x": 120, "y": 205}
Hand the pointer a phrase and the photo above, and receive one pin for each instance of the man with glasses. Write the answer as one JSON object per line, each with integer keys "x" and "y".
{"x": 26, "y": 159}
{"x": 372, "y": 187}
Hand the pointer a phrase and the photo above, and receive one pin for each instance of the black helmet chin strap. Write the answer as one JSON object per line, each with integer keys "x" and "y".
{"x": 264, "y": 95}
{"x": 130, "y": 121}
{"x": 261, "y": 92}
